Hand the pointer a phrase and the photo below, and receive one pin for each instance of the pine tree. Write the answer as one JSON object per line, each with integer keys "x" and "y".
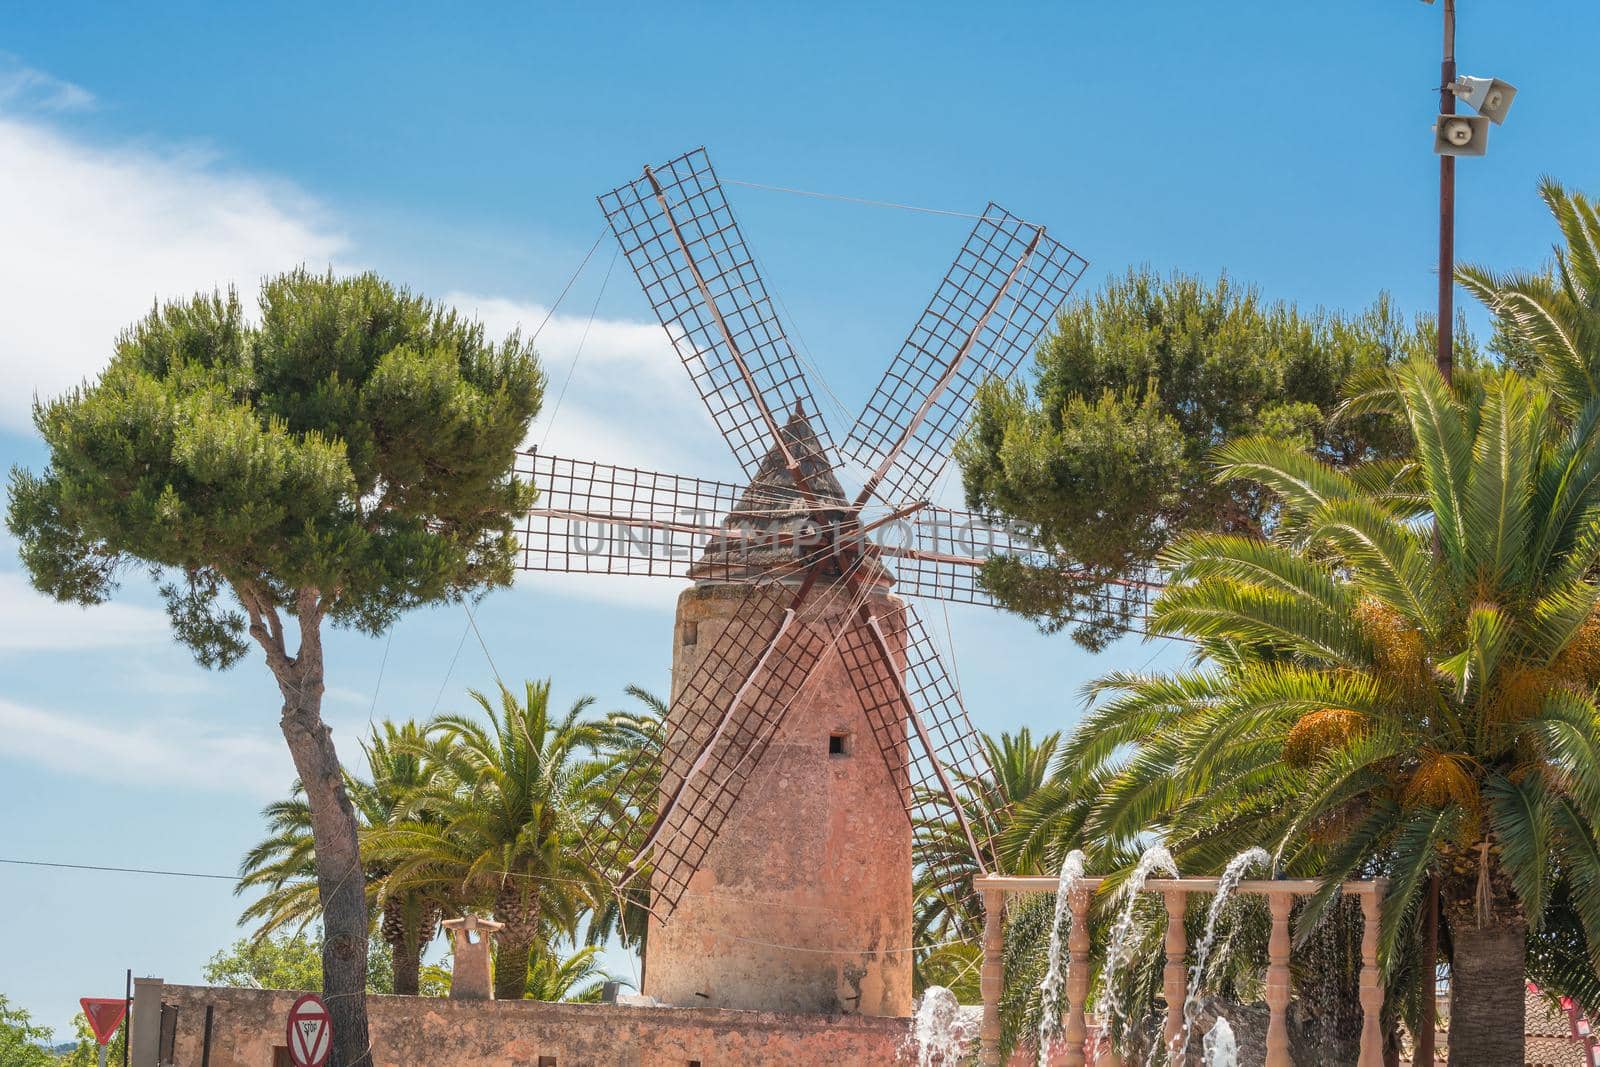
{"x": 342, "y": 460}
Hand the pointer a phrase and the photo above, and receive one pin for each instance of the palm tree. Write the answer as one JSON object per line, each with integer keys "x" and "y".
{"x": 1550, "y": 321}
{"x": 284, "y": 863}
{"x": 631, "y": 747}
{"x": 947, "y": 906}
{"x": 577, "y": 978}
{"x": 1388, "y": 693}
{"x": 410, "y": 916}
{"x": 508, "y": 804}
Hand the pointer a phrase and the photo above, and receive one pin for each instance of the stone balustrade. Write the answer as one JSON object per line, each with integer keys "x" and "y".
{"x": 1280, "y": 894}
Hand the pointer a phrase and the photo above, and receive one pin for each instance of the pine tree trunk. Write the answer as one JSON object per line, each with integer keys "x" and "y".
{"x": 341, "y": 885}
{"x": 1486, "y": 994}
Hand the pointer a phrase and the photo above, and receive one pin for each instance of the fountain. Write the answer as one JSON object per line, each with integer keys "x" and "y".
{"x": 1182, "y": 986}
{"x": 1055, "y": 977}
{"x": 1221, "y": 1048}
{"x": 1119, "y": 944}
{"x": 938, "y": 1032}
{"x": 1232, "y": 875}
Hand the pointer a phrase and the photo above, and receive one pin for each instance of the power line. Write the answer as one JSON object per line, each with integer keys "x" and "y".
{"x": 119, "y": 870}
{"x": 556, "y": 410}
{"x": 473, "y": 620}
{"x": 567, "y": 287}
{"x": 373, "y": 710}
{"x": 452, "y": 669}
{"x": 514, "y": 874}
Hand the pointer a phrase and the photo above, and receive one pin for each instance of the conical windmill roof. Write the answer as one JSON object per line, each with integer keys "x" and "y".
{"x": 774, "y": 489}
{"x": 774, "y": 529}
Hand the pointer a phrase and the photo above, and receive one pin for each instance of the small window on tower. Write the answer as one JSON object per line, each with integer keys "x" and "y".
{"x": 691, "y": 632}
{"x": 838, "y": 744}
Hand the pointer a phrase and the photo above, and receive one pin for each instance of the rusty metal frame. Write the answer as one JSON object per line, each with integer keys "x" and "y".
{"x": 947, "y": 375}
{"x": 901, "y": 678}
{"x": 999, "y": 294}
{"x": 931, "y": 752}
{"x": 678, "y": 232}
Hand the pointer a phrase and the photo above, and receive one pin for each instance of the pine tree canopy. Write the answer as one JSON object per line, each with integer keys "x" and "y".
{"x": 355, "y": 440}
{"x": 1105, "y": 456}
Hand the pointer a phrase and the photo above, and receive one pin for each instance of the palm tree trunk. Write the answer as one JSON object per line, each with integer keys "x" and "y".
{"x": 407, "y": 968}
{"x": 405, "y": 949}
{"x": 409, "y": 924}
{"x": 511, "y": 960}
{"x": 1486, "y": 994}
{"x": 518, "y": 907}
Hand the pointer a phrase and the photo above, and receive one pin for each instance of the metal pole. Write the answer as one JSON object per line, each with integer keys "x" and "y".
{"x": 1447, "y": 362}
{"x": 1447, "y": 203}
{"x": 1430, "y": 973}
{"x": 1445, "y": 359}
{"x": 127, "y": 1017}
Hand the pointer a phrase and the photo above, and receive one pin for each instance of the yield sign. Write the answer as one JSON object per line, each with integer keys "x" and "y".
{"x": 104, "y": 1015}
{"x": 310, "y": 1032}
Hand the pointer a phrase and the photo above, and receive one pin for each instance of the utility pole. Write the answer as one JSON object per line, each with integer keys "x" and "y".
{"x": 1445, "y": 358}
{"x": 1446, "y": 361}
{"x": 1447, "y": 216}
{"x": 1426, "y": 1026}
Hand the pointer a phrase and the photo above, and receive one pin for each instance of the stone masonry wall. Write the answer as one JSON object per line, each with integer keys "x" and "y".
{"x": 803, "y": 902}
{"x": 249, "y": 1024}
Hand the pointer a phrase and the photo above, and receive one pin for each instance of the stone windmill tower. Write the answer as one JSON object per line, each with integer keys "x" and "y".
{"x": 813, "y": 729}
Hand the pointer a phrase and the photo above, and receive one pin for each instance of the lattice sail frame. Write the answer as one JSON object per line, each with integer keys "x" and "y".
{"x": 720, "y": 731}
{"x": 933, "y": 749}
{"x": 1006, "y": 283}
{"x": 599, "y": 518}
{"x": 678, "y": 232}
{"x": 711, "y": 300}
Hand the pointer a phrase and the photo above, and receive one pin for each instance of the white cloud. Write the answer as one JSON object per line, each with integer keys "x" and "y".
{"x": 629, "y": 401}
{"x": 340, "y": 694}
{"x": 160, "y": 753}
{"x": 32, "y": 622}
{"x": 100, "y": 232}
{"x": 95, "y": 234}
{"x": 22, "y": 87}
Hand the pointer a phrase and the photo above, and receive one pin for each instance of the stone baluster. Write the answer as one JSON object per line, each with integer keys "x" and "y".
{"x": 994, "y": 906}
{"x": 1278, "y": 990}
{"x": 1077, "y": 1034}
{"x": 1371, "y": 982}
{"x": 1173, "y": 983}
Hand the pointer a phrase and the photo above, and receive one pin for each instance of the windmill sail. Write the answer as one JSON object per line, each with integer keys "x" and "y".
{"x": 999, "y": 294}
{"x": 599, "y": 518}
{"x": 922, "y": 728}
{"x": 679, "y": 234}
{"x": 812, "y": 565}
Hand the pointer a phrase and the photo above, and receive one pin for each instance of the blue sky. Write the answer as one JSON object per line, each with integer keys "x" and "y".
{"x": 152, "y": 152}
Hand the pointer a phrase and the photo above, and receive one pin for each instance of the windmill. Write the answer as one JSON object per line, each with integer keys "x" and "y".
{"x": 790, "y": 631}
